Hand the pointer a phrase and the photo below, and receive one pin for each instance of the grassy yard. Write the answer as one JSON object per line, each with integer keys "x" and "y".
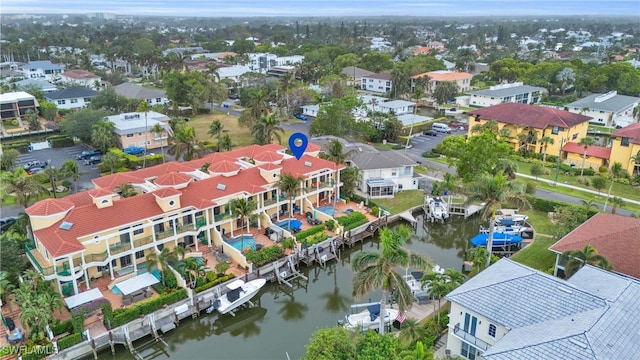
{"x": 402, "y": 201}
{"x": 239, "y": 135}
{"x": 537, "y": 255}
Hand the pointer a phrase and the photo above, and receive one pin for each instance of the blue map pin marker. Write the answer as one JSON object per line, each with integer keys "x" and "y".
{"x": 298, "y": 150}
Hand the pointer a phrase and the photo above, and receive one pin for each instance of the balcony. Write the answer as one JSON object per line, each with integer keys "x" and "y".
{"x": 200, "y": 222}
{"x": 118, "y": 248}
{"x": 102, "y": 257}
{"x": 221, "y": 216}
{"x": 33, "y": 257}
{"x": 142, "y": 241}
{"x": 470, "y": 339}
{"x": 164, "y": 234}
{"x": 270, "y": 202}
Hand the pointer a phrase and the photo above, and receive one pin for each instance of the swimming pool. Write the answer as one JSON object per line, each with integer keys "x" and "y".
{"x": 289, "y": 224}
{"x": 242, "y": 242}
{"x": 327, "y": 209}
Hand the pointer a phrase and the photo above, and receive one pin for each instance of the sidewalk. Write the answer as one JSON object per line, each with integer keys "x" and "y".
{"x": 574, "y": 187}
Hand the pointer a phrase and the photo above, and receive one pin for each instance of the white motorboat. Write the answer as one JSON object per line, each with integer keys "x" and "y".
{"x": 370, "y": 318}
{"x": 239, "y": 293}
{"x": 438, "y": 207}
{"x": 509, "y": 217}
{"x": 506, "y": 229}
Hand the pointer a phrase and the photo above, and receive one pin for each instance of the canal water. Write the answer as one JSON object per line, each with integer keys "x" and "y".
{"x": 283, "y": 319}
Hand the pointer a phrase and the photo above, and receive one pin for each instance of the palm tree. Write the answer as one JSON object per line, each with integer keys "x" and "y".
{"x": 215, "y": 129}
{"x": 494, "y": 191}
{"x": 184, "y": 144}
{"x": 194, "y": 269}
{"x": 24, "y": 187}
{"x": 288, "y": 184}
{"x": 585, "y": 142}
{"x": 225, "y": 143}
{"x": 70, "y": 169}
{"x": 285, "y": 84}
{"x": 411, "y": 331}
{"x": 334, "y": 151}
{"x": 160, "y": 260}
{"x": 5, "y": 285}
{"x": 143, "y": 106}
{"x": 588, "y": 204}
{"x": 111, "y": 161}
{"x": 378, "y": 270}
{"x": 616, "y": 202}
{"x": 265, "y": 129}
{"x": 126, "y": 190}
{"x": 616, "y": 172}
{"x": 576, "y": 259}
{"x": 636, "y": 162}
{"x": 244, "y": 209}
{"x": 157, "y": 130}
{"x": 102, "y": 135}
{"x": 545, "y": 141}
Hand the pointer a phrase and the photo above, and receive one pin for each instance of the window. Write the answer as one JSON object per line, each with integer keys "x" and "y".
{"x": 129, "y": 135}
{"x": 158, "y": 100}
{"x": 139, "y": 134}
{"x": 139, "y": 254}
{"x": 74, "y": 101}
{"x": 625, "y": 141}
{"x": 574, "y": 136}
{"x": 62, "y": 102}
{"x": 394, "y": 173}
{"x": 492, "y": 330}
{"x": 87, "y": 100}
{"x": 555, "y": 130}
{"x": 125, "y": 261}
{"x": 138, "y": 230}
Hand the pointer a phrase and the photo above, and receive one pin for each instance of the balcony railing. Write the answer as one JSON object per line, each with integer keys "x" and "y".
{"x": 45, "y": 270}
{"x": 222, "y": 216}
{"x": 200, "y": 222}
{"x": 471, "y": 339}
{"x": 118, "y": 248}
{"x": 164, "y": 234}
{"x": 270, "y": 202}
{"x": 142, "y": 241}
{"x": 102, "y": 257}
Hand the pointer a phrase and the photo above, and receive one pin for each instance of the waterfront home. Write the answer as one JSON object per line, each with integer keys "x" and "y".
{"x": 504, "y": 93}
{"x": 134, "y": 129}
{"x": 625, "y": 148}
{"x": 42, "y": 69}
{"x": 71, "y": 98}
{"x": 99, "y": 233}
{"x": 616, "y": 237}
{"x": 510, "y": 311}
{"x": 610, "y": 109}
{"x": 81, "y": 78}
{"x": 533, "y": 121}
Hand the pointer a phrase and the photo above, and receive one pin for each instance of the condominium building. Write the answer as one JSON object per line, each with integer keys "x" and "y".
{"x": 99, "y": 233}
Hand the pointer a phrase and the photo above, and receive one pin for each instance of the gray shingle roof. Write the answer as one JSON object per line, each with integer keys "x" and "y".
{"x": 134, "y": 91}
{"x": 41, "y": 64}
{"x": 367, "y": 160}
{"x": 613, "y": 104}
{"x": 512, "y": 91}
{"x": 71, "y": 93}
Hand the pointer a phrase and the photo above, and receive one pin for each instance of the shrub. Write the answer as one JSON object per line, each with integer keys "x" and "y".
{"x": 375, "y": 210}
{"x": 430, "y": 154}
{"x": 213, "y": 283}
{"x": 316, "y": 238}
{"x": 288, "y": 243}
{"x": 222, "y": 267}
{"x": 268, "y": 254}
{"x": 62, "y": 327}
{"x": 545, "y": 205}
{"x": 68, "y": 341}
{"x": 159, "y": 288}
{"x": 211, "y": 276}
{"x": 603, "y": 169}
{"x": 59, "y": 141}
{"x": 530, "y": 187}
{"x": 330, "y": 225}
{"x": 352, "y": 220}
{"x": 123, "y": 316}
{"x": 310, "y": 231}
{"x": 36, "y": 352}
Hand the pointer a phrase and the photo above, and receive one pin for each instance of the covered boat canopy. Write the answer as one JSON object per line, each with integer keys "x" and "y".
{"x": 499, "y": 239}
{"x": 83, "y": 298}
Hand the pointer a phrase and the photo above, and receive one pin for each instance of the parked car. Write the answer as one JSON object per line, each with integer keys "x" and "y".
{"x": 87, "y": 154}
{"x": 430, "y": 133}
{"x": 453, "y": 109}
{"x": 301, "y": 117}
{"x": 35, "y": 170}
{"x": 93, "y": 160}
{"x": 6, "y": 222}
{"x": 33, "y": 164}
{"x": 133, "y": 150}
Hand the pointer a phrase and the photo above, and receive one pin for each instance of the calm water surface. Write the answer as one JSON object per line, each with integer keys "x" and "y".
{"x": 284, "y": 318}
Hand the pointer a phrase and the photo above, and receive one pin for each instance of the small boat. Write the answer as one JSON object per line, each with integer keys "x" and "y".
{"x": 239, "y": 293}
{"x": 510, "y": 230}
{"x": 438, "y": 207}
{"x": 370, "y": 318}
{"x": 509, "y": 216}
{"x": 499, "y": 239}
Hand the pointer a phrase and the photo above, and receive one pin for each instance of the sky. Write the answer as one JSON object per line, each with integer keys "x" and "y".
{"x": 241, "y": 8}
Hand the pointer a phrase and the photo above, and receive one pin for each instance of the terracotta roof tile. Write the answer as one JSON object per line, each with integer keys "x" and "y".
{"x": 166, "y": 192}
{"x": 274, "y": 147}
{"x": 538, "y": 117}
{"x": 311, "y": 147}
{"x": 101, "y": 192}
{"x": 172, "y": 179}
{"x": 300, "y": 168}
{"x": 172, "y": 166}
{"x": 594, "y": 151}
{"x": 56, "y": 243}
{"x": 48, "y": 207}
{"x": 114, "y": 180}
{"x": 270, "y": 166}
{"x": 615, "y": 237}
{"x": 421, "y": 50}
{"x": 268, "y": 156}
{"x": 632, "y": 131}
{"x": 224, "y": 166}
{"x": 444, "y": 75}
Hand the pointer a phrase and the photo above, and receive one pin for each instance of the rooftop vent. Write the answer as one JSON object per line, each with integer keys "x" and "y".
{"x": 66, "y": 225}
{"x": 307, "y": 163}
{"x": 607, "y": 96}
{"x": 221, "y": 187}
{"x": 565, "y": 289}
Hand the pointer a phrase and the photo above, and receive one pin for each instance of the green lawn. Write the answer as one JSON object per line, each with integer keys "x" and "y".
{"x": 537, "y": 255}
{"x": 403, "y": 200}
{"x": 240, "y": 136}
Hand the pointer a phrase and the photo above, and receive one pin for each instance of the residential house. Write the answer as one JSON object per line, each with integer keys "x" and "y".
{"x": 413, "y": 119}
{"x": 616, "y": 237}
{"x": 382, "y": 173}
{"x": 98, "y": 233}
{"x": 72, "y": 98}
{"x": 625, "y": 148}
{"x": 462, "y": 79}
{"x": 233, "y": 72}
{"x": 82, "y": 78}
{"x": 397, "y": 107}
{"x": 134, "y": 91}
{"x": 134, "y": 129}
{"x": 596, "y": 156}
{"x": 280, "y": 71}
{"x": 263, "y": 62}
{"x": 355, "y": 74}
{"x": 15, "y": 105}
{"x": 378, "y": 83}
{"x": 10, "y": 71}
{"x": 608, "y": 109}
{"x": 372, "y": 102}
{"x": 310, "y": 110}
{"x": 42, "y": 69}
{"x": 219, "y": 56}
{"x": 510, "y": 311}
{"x": 533, "y": 121}
{"x": 506, "y": 93}
{"x": 42, "y": 85}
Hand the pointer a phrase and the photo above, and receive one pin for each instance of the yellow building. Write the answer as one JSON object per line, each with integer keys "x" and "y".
{"x": 625, "y": 148}
{"x": 99, "y": 233}
{"x": 523, "y": 125}
{"x": 134, "y": 129}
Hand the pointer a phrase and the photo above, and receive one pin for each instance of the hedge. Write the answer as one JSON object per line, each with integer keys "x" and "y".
{"x": 266, "y": 255}
{"x": 125, "y": 315}
{"x": 213, "y": 283}
{"x": 545, "y": 205}
{"x": 62, "y": 327}
{"x": 59, "y": 141}
{"x": 310, "y": 231}
{"x": 352, "y": 220}
{"x": 36, "y": 352}
{"x": 576, "y": 171}
{"x": 69, "y": 341}
{"x": 21, "y": 146}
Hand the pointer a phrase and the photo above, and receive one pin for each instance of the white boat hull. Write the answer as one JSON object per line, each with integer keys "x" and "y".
{"x": 249, "y": 290}
{"x": 362, "y": 320}
{"x": 438, "y": 208}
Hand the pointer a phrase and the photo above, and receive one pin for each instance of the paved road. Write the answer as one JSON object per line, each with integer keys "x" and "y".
{"x": 229, "y": 111}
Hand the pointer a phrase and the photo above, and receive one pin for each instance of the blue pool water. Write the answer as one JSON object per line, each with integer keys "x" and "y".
{"x": 288, "y": 225}
{"x": 115, "y": 290}
{"x": 242, "y": 242}
{"x": 328, "y": 209}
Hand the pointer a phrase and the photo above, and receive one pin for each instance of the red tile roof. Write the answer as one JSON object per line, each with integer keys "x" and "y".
{"x": 224, "y": 166}
{"x": 166, "y": 192}
{"x": 594, "y": 151}
{"x": 311, "y": 147}
{"x": 114, "y": 180}
{"x": 270, "y": 166}
{"x": 444, "y": 75}
{"x": 268, "y": 156}
{"x": 421, "y": 50}
{"x": 632, "y": 131}
{"x": 48, "y": 207}
{"x": 615, "y": 237}
{"x": 172, "y": 166}
{"x": 172, "y": 179}
{"x": 80, "y": 74}
{"x": 299, "y": 167}
{"x": 101, "y": 192}
{"x": 538, "y": 117}
{"x": 57, "y": 242}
